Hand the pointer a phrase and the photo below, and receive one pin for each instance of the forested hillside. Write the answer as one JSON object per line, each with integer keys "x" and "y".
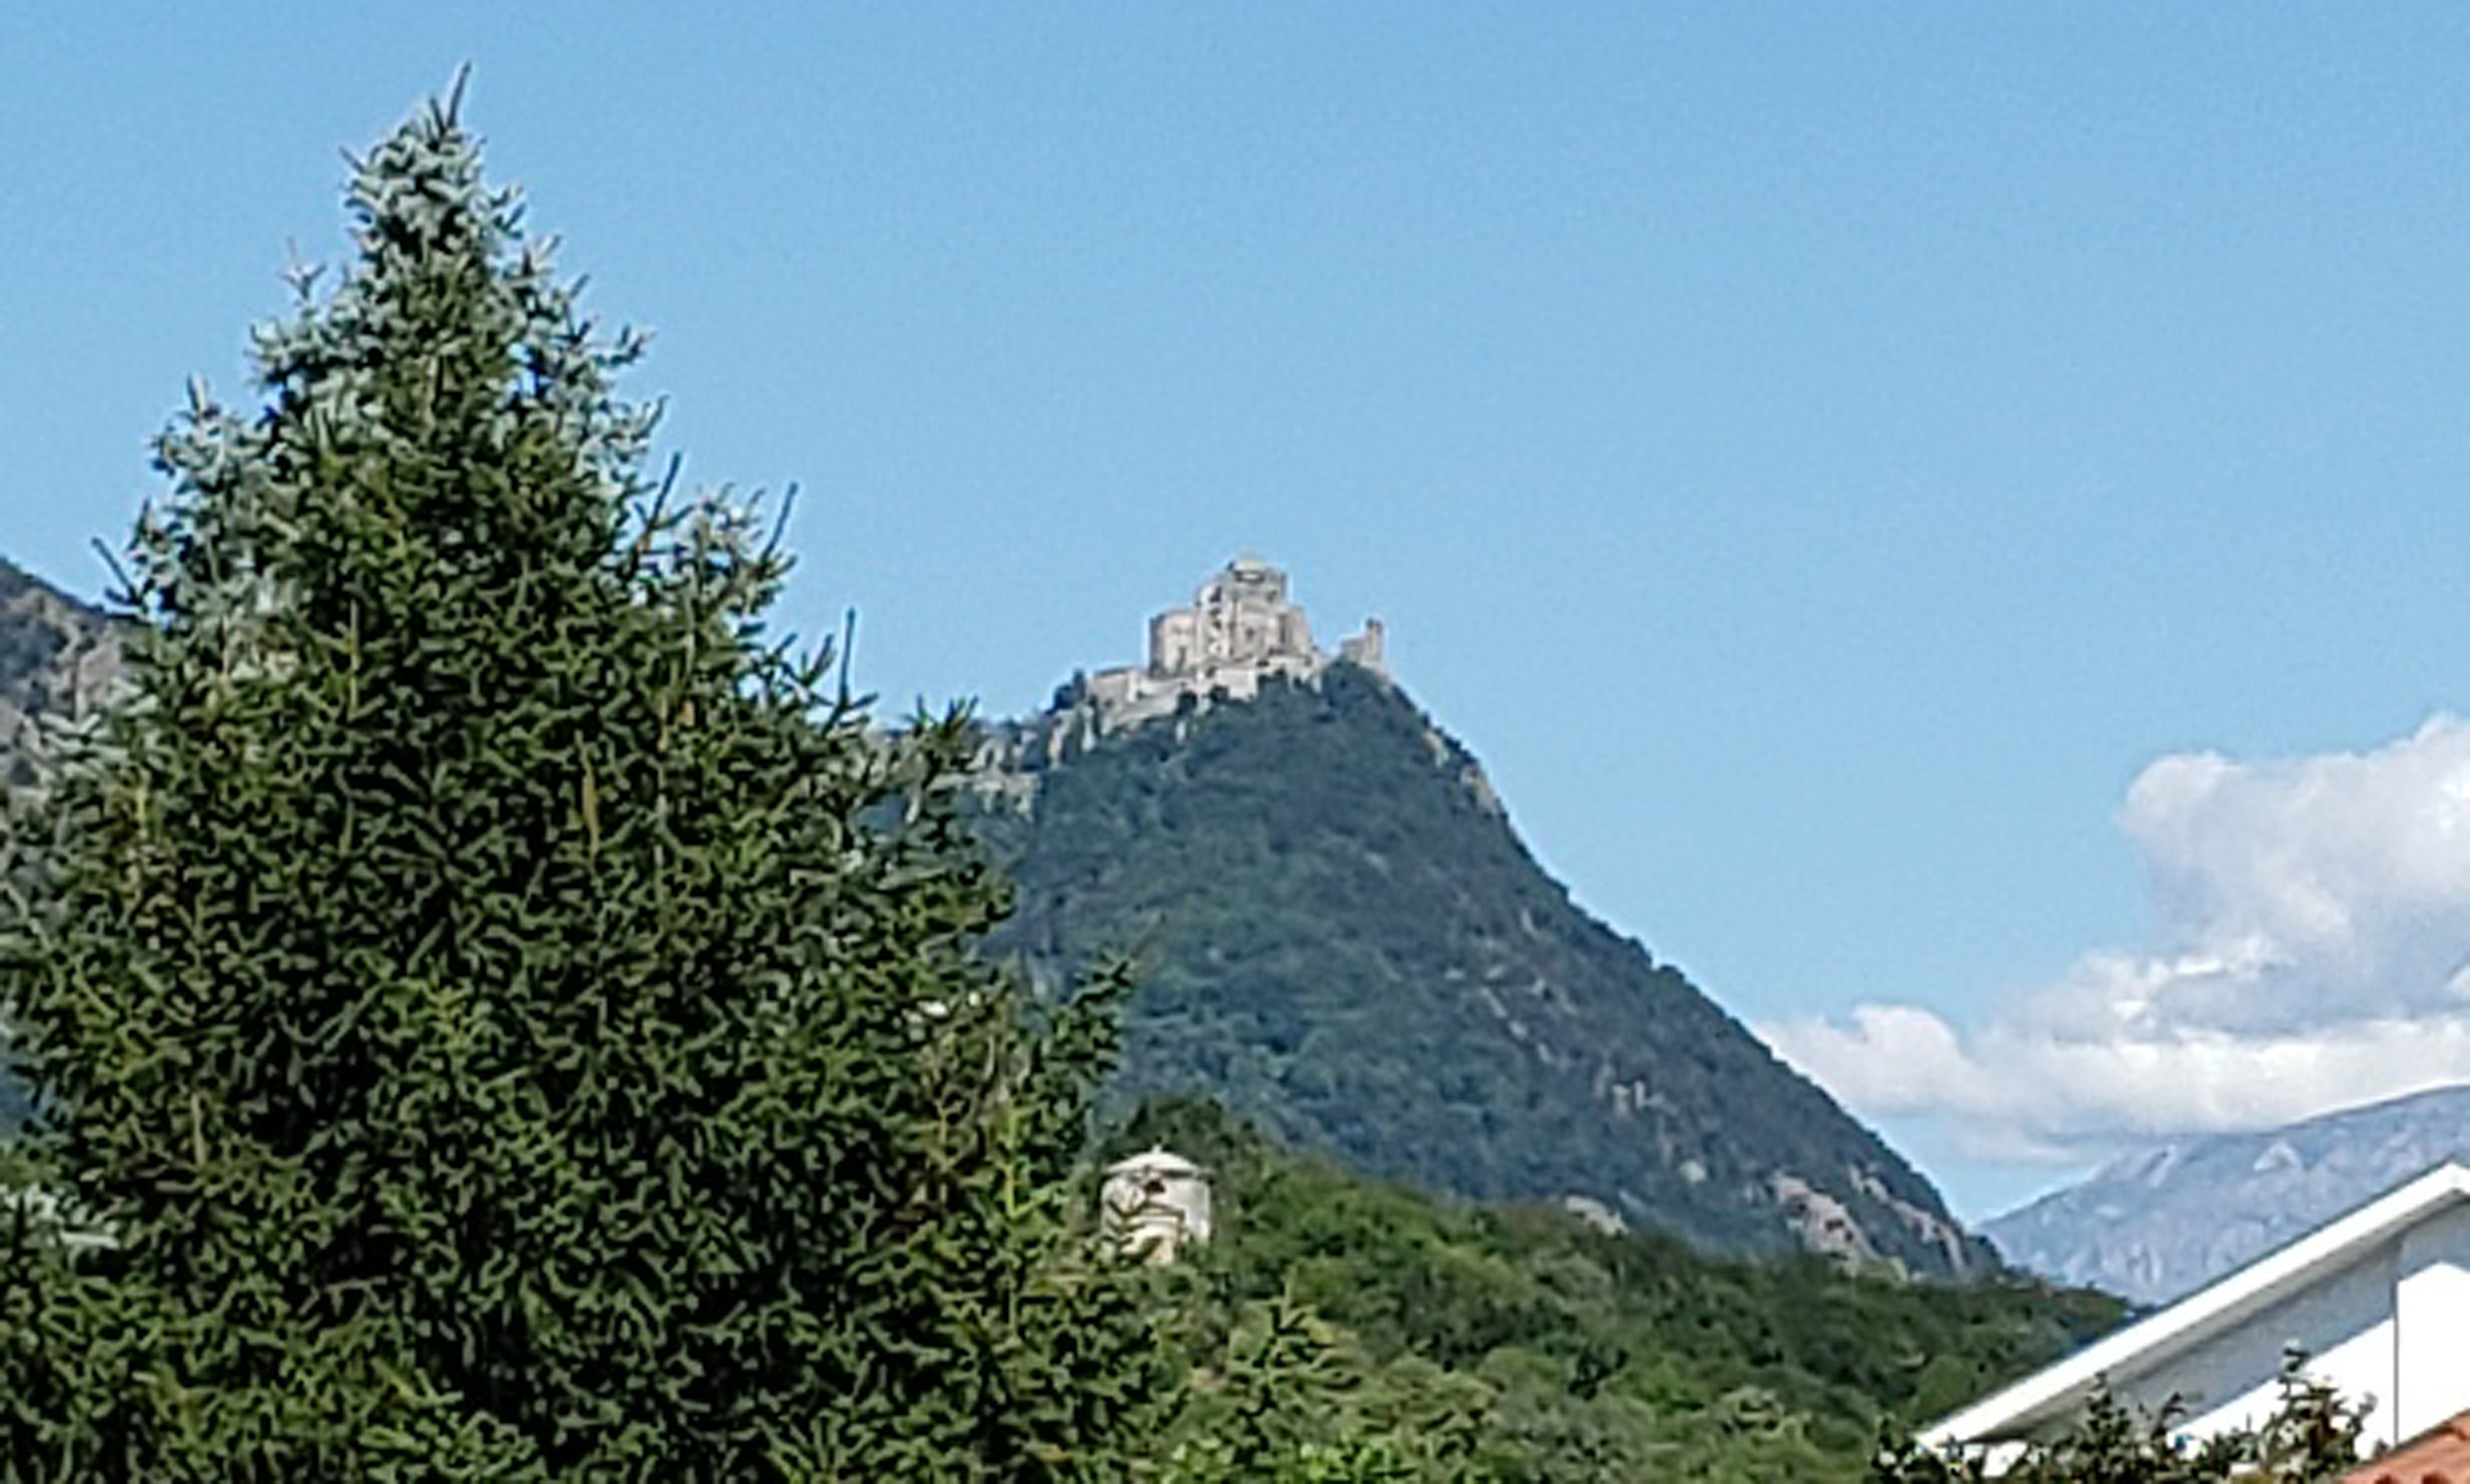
{"x": 1510, "y": 1342}
{"x": 1339, "y": 933}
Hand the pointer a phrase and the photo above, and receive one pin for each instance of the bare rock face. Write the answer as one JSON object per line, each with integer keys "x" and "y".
{"x": 2169, "y": 1219}
{"x": 56, "y": 654}
{"x": 1823, "y": 1223}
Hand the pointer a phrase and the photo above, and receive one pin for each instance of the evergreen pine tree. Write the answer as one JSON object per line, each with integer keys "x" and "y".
{"x": 505, "y": 1018}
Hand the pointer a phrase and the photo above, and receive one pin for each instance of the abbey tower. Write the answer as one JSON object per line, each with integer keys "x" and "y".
{"x": 1240, "y": 630}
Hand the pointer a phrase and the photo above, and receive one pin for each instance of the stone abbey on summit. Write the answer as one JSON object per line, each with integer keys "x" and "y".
{"x": 1240, "y": 630}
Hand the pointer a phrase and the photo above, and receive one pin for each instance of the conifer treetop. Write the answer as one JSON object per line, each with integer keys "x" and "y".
{"x": 511, "y": 1020}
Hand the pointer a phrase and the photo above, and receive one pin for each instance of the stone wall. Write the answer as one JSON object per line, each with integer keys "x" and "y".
{"x": 1240, "y": 630}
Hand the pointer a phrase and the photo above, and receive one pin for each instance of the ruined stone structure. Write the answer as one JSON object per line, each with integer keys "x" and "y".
{"x": 1153, "y": 1205}
{"x": 1240, "y": 630}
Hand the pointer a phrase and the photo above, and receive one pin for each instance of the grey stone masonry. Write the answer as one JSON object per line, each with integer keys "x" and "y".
{"x": 1240, "y": 630}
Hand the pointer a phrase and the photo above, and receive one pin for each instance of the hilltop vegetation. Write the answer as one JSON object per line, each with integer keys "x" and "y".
{"x": 1509, "y": 1342}
{"x": 1340, "y": 936}
{"x": 40, "y": 626}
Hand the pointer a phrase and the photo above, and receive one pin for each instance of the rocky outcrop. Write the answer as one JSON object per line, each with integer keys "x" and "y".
{"x": 56, "y": 654}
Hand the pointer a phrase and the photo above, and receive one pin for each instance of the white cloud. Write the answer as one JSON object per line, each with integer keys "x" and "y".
{"x": 2313, "y": 932}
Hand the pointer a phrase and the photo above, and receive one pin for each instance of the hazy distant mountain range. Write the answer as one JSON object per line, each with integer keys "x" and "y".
{"x": 2158, "y": 1224}
{"x": 1342, "y": 938}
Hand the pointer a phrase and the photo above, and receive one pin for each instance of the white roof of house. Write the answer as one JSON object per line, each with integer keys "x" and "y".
{"x": 2050, "y": 1394}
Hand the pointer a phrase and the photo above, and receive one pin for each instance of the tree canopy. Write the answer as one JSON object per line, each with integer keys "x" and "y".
{"x": 1337, "y": 1322}
{"x": 504, "y": 1014}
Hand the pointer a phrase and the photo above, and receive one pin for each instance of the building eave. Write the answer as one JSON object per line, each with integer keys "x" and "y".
{"x": 2050, "y": 1394}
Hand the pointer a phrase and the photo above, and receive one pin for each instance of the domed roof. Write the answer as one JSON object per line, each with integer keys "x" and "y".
{"x": 1155, "y": 1160}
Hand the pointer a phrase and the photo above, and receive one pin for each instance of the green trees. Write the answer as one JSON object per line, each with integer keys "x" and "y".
{"x": 1336, "y": 1322}
{"x": 511, "y": 1018}
{"x": 2311, "y": 1438}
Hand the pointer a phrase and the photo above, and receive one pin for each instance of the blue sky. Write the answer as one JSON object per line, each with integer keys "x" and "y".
{"x": 1833, "y": 464}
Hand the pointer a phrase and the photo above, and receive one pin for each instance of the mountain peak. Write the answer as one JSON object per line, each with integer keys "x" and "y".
{"x": 1341, "y": 938}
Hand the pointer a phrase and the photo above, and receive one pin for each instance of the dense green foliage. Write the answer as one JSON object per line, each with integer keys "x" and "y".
{"x": 1342, "y": 938}
{"x": 509, "y": 1017}
{"x": 1500, "y": 1342}
{"x": 46, "y": 636}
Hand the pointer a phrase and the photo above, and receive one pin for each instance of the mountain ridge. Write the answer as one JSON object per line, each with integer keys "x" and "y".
{"x": 2158, "y": 1223}
{"x": 56, "y": 653}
